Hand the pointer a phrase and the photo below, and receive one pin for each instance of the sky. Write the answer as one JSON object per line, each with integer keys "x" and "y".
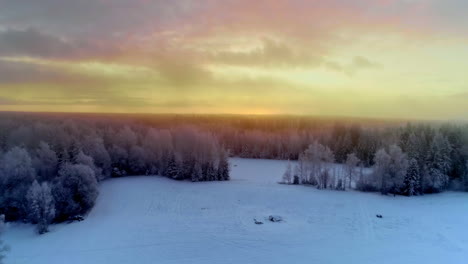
{"x": 366, "y": 58}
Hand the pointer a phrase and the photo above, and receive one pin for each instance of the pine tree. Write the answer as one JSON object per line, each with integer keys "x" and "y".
{"x": 172, "y": 171}
{"x": 197, "y": 174}
{"x": 438, "y": 163}
{"x": 412, "y": 178}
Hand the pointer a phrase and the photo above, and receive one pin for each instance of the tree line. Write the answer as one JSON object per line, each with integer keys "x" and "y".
{"x": 50, "y": 167}
{"x": 409, "y": 160}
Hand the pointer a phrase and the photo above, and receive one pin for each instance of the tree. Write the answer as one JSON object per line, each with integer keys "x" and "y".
{"x": 75, "y": 190}
{"x": 438, "y": 164}
{"x": 351, "y": 163}
{"x": 412, "y": 178}
{"x": 3, "y": 248}
{"x": 17, "y": 174}
{"x": 84, "y": 159}
{"x": 223, "y": 167}
{"x": 172, "y": 170}
{"x": 381, "y": 164}
{"x": 45, "y": 162}
{"x": 94, "y": 147}
{"x": 390, "y": 169}
{"x": 397, "y": 169}
{"x": 41, "y": 206}
{"x": 315, "y": 164}
{"x": 465, "y": 179}
{"x": 197, "y": 174}
{"x": 287, "y": 176}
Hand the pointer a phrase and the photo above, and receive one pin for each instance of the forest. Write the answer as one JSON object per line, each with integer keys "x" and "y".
{"x": 51, "y": 164}
{"x": 50, "y": 167}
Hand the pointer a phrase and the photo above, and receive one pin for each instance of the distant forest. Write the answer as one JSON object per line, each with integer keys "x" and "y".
{"x": 50, "y": 164}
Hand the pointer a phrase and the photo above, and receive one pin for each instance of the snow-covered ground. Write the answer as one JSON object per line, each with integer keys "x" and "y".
{"x": 157, "y": 220}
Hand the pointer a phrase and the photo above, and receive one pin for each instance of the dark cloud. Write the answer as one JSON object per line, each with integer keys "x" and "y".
{"x": 31, "y": 42}
{"x": 17, "y": 72}
{"x": 34, "y": 43}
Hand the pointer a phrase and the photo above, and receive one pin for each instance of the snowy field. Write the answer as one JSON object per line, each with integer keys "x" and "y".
{"x": 158, "y": 220}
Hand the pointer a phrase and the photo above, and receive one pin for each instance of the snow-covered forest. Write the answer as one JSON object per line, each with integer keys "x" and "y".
{"x": 51, "y": 164}
{"x": 409, "y": 160}
{"x": 50, "y": 167}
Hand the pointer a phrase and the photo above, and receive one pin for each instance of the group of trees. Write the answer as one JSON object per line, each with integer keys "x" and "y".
{"x": 409, "y": 160}
{"x": 316, "y": 166}
{"x": 50, "y": 167}
{"x": 424, "y": 160}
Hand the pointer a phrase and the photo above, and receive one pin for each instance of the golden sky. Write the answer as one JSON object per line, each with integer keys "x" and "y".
{"x": 368, "y": 58}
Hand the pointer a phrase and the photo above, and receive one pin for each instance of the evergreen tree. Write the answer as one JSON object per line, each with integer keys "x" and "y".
{"x": 438, "y": 163}
{"x": 172, "y": 171}
{"x": 197, "y": 173}
{"x": 412, "y": 178}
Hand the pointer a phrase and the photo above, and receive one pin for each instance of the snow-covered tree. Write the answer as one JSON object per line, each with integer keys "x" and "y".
{"x": 84, "y": 159}
{"x": 223, "y": 167}
{"x": 137, "y": 156}
{"x": 45, "y": 162}
{"x": 381, "y": 169}
{"x": 390, "y": 169}
{"x": 397, "y": 169}
{"x": 197, "y": 173}
{"x": 351, "y": 164}
{"x": 3, "y": 247}
{"x": 412, "y": 178}
{"x": 438, "y": 164}
{"x": 93, "y": 146}
{"x": 172, "y": 170}
{"x": 316, "y": 161}
{"x": 75, "y": 190}
{"x": 41, "y": 206}
{"x": 17, "y": 174}
{"x": 287, "y": 175}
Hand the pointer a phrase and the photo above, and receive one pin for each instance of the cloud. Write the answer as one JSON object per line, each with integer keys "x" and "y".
{"x": 360, "y": 62}
{"x": 30, "y": 42}
{"x": 271, "y": 54}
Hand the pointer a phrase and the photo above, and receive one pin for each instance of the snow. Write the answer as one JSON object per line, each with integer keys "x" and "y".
{"x": 158, "y": 220}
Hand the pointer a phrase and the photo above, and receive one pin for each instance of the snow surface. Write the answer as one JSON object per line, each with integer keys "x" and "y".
{"x": 158, "y": 220}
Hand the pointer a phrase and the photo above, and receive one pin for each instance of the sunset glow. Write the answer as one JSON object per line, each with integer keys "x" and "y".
{"x": 386, "y": 58}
